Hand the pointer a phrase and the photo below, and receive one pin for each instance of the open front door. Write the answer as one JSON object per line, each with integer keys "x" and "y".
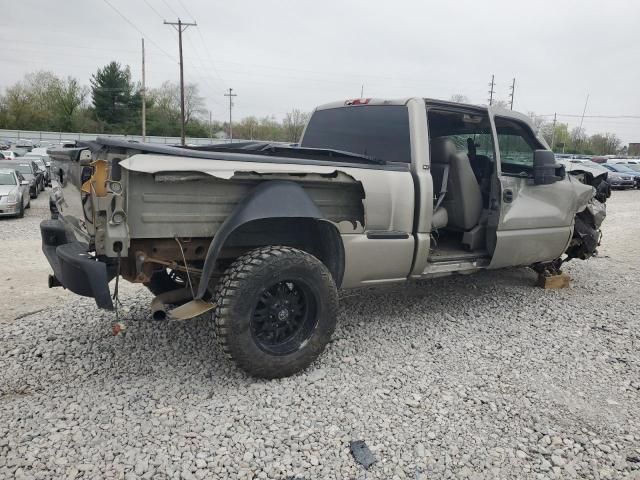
{"x": 536, "y": 221}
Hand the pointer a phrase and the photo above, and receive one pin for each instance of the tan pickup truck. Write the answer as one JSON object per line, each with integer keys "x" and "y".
{"x": 263, "y": 235}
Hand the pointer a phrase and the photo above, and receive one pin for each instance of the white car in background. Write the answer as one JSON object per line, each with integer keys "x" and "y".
{"x": 9, "y": 154}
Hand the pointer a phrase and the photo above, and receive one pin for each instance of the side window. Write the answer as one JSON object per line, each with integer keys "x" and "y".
{"x": 517, "y": 144}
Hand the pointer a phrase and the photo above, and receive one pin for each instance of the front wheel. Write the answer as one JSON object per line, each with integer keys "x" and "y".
{"x": 276, "y": 311}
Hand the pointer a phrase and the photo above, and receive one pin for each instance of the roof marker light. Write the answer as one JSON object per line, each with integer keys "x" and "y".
{"x": 358, "y": 101}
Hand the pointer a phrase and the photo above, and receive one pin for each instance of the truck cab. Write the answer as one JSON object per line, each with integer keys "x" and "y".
{"x": 487, "y": 191}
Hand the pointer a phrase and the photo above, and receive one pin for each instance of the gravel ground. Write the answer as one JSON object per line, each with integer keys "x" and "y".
{"x": 483, "y": 376}
{"x": 23, "y": 285}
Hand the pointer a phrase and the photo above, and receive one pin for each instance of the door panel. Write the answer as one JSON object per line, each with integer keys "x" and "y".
{"x": 535, "y": 206}
{"x": 536, "y": 221}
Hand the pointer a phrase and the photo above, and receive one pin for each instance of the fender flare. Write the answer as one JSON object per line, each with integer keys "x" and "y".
{"x": 272, "y": 199}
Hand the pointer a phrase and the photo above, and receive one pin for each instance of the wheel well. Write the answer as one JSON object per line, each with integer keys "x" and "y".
{"x": 317, "y": 237}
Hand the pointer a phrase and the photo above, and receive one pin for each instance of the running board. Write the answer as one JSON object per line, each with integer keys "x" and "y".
{"x": 190, "y": 310}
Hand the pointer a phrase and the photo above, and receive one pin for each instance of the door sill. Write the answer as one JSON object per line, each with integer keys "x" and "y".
{"x": 457, "y": 255}
{"x": 448, "y": 267}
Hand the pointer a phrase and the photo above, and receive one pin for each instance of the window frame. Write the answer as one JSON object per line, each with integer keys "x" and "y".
{"x": 532, "y": 142}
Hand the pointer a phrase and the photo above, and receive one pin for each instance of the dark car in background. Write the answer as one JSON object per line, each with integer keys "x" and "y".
{"x": 45, "y": 167}
{"x": 29, "y": 170}
{"x": 625, "y": 177}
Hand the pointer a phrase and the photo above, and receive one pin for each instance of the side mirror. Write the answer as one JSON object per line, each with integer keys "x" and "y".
{"x": 545, "y": 169}
{"x": 85, "y": 158}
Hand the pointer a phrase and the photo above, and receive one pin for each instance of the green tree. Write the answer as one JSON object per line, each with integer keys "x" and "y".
{"x": 116, "y": 101}
{"x": 604, "y": 143}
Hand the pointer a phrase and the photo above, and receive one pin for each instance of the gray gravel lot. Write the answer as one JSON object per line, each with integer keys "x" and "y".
{"x": 483, "y": 376}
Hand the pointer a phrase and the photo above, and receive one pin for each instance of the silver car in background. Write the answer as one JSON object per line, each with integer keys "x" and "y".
{"x": 14, "y": 193}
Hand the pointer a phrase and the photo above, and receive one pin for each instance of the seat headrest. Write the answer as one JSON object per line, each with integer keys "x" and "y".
{"x": 442, "y": 149}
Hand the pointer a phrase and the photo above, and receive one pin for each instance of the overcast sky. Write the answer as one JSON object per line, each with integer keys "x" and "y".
{"x": 284, "y": 54}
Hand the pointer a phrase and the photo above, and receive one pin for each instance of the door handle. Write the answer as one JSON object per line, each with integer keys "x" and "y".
{"x": 507, "y": 195}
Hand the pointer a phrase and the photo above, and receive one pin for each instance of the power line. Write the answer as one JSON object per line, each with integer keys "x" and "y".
{"x": 578, "y": 115}
{"x": 124, "y": 17}
{"x": 154, "y": 10}
{"x": 186, "y": 9}
{"x": 206, "y": 50}
{"x": 171, "y": 8}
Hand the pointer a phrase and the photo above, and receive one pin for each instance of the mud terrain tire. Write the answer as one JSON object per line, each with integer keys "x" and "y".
{"x": 276, "y": 311}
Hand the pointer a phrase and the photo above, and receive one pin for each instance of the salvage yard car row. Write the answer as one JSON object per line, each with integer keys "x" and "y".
{"x": 25, "y": 172}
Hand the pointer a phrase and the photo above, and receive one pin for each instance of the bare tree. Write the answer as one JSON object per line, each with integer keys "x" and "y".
{"x": 577, "y": 137}
{"x": 293, "y": 124}
{"x": 538, "y": 122}
{"x": 459, "y": 98}
{"x": 167, "y": 99}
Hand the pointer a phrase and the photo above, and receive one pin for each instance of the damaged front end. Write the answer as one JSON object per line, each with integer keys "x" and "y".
{"x": 586, "y": 233}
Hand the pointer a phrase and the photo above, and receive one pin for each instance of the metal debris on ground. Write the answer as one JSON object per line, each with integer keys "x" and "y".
{"x": 362, "y": 454}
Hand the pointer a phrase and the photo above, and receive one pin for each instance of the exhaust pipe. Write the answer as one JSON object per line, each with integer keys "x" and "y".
{"x": 159, "y": 303}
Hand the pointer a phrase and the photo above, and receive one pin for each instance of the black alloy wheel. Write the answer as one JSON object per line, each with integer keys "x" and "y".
{"x": 276, "y": 309}
{"x": 284, "y": 316}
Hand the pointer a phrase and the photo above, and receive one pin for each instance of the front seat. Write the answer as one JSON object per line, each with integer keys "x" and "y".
{"x": 463, "y": 198}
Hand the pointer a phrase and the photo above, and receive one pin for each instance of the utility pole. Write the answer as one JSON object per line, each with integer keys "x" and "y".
{"x": 144, "y": 99}
{"x": 180, "y": 27}
{"x": 581, "y": 121}
{"x": 362, "y": 91}
{"x": 513, "y": 91}
{"x": 210, "y": 126}
{"x": 230, "y": 95}
{"x": 492, "y": 85}
{"x": 553, "y": 134}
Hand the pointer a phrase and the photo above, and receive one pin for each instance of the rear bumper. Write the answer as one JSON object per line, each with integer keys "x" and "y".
{"x": 73, "y": 267}
{"x": 623, "y": 184}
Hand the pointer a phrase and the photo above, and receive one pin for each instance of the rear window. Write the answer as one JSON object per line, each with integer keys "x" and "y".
{"x": 379, "y": 131}
{"x": 24, "y": 168}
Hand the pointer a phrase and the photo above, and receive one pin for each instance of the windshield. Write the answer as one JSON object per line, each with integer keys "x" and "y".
{"x": 377, "y": 131}
{"x": 7, "y": 179}
{"x": 621, "y": 168}
{"x": 24, "y": 168}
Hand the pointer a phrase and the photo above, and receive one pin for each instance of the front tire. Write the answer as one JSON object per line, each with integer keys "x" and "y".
{"x": 21, "y": 211}
{"x": 276, "y": 311}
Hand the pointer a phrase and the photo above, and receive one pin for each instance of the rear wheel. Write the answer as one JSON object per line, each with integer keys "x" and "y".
{"x": 276, "y": 311}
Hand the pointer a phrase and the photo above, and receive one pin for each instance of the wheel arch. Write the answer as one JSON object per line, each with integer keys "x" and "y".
{"x": 277, "y": 212}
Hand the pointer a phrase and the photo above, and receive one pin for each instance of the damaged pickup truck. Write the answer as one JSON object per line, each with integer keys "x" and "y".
{"x": 263, "y": 235}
